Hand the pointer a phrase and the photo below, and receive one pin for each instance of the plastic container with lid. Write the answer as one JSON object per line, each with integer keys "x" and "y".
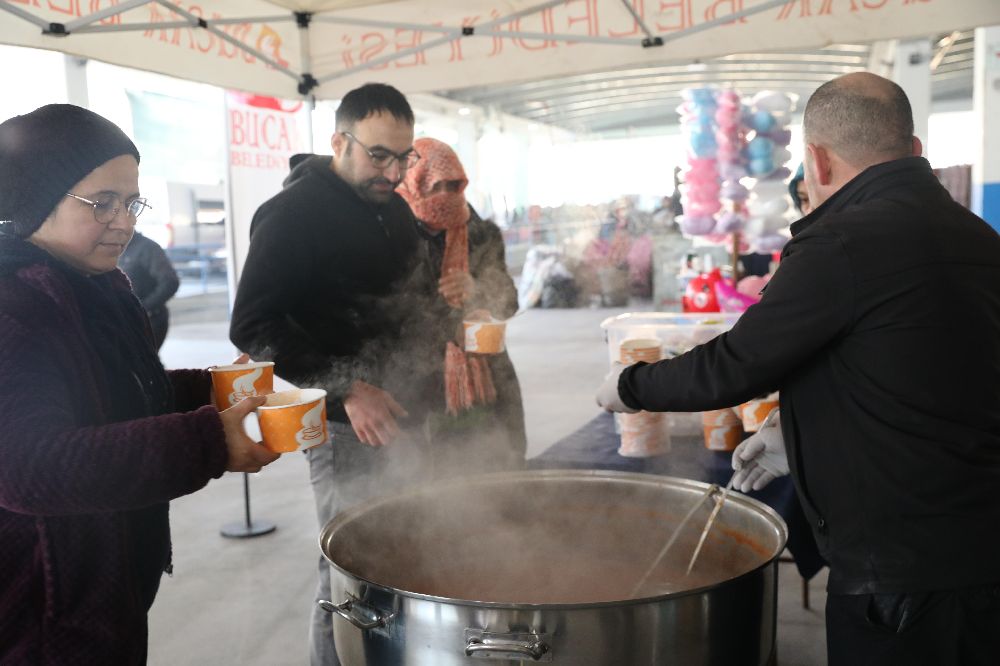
{"x": 678, "y": 332}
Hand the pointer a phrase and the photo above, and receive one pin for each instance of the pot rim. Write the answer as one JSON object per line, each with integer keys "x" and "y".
{"x": 533, "y": 475}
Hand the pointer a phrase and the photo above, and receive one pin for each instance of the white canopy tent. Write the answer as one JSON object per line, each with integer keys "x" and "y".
{"x": 323, "y": 48}
{"x": 289, "y": 48}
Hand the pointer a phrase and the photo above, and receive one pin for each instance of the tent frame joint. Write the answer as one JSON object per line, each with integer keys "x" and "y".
{"x": 303, "y": 19}
{"x": 648, "y": 42}
{"x": 56, "y": 29}
{"x": 307, "y": 83}
{"x": 468, "y": 30}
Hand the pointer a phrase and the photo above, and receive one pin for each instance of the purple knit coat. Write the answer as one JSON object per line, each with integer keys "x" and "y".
{"x": 73, "y": 487}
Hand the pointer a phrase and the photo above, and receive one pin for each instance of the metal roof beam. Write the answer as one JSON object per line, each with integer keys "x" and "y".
{"x": 508, "y": 96}
{"x": 485, "y": 94}
{"x": 529, "y": 106}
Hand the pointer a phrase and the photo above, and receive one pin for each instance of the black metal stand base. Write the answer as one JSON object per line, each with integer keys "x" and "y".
{"x": 249, "y": 527}
{"x": 245, "y": 531}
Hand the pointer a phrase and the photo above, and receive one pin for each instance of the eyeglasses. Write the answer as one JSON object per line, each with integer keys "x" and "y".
{"x": 107, "y": 206}
{"x": 381, "y": 158}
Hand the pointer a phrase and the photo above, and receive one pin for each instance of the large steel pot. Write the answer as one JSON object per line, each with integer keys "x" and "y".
{"x": 539, "y": 566}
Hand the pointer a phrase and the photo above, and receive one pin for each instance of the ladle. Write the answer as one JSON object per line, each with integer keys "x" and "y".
{"x": 673, "y": 538}
{"x": 708, "y": 524}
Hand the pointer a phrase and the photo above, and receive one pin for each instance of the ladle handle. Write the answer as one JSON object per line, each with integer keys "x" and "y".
{"x": 533, "y": 650}
{"x": 344, "y": 611}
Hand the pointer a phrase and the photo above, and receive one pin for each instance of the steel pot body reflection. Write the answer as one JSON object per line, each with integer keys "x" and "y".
{"x": 538, "y": 566}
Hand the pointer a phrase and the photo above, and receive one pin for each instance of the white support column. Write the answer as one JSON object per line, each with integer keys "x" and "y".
{"x": 986, "y": 105}
{"x": 76, "y": 80}
{"x": 468, "y": 143}
{"x": 911, "y": 70}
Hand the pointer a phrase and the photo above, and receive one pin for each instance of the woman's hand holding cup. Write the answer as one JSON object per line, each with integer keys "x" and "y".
{"x": 456, "y": 288}
{"x": 245, "y": 455}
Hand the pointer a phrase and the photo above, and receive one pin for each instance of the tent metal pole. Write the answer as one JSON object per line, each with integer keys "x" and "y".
{"x": 722, "y": 20}
{"x": 135, "y": 27}
{"x": 375, "y": 23}
{"x": 226, "y": 37}
{"x": 26, "y": 15}
{"x": 102, "y": 14}
{"x": 489, "y": 25}
{"x": 305, "y": 46}
{"x": 251, "y": 19}
{"x": 638, "y": 19}
{"x": 609, "y": 41}
{"x": 527, "y": 11}
{"x": 166, "y": 25}
{"x": 308, "y": 81}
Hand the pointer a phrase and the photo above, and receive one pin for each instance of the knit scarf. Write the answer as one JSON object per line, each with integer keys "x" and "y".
{"x": 467, "y": 378}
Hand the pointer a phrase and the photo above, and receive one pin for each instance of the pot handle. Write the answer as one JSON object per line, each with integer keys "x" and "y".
{"x": 344, "y": 611}
{"x": 533, "y": 650}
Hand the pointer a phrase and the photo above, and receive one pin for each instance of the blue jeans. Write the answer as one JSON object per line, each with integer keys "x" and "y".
{"x": 346, "y": 472}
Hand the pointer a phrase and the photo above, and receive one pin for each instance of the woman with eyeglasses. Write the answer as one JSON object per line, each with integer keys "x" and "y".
{"x": 97, "y": 437}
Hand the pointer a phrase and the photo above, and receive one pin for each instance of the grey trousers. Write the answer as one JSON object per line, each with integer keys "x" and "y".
{"x": 343, "y": 473}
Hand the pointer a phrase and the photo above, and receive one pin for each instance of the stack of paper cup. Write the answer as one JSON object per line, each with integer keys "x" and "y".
{"x": 723, "y": 429}
{"x": 756, "y": 411}
{"x": 643, "y": 434}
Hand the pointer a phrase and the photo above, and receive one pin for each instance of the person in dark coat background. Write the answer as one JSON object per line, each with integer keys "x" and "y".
{"x": 153, "y": 279}
{"x": 97, "y": 437}
{"x": 881, "y": 329}
{"x": 798, "y": 192}
{"x": 479, "y": 421}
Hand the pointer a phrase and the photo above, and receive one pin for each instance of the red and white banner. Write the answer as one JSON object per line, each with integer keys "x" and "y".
{"x": 354, "y": 41}
{"x": 263, "y": 133}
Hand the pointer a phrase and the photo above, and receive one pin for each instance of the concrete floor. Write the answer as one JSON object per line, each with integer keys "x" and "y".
{"x": 246, "y": 601}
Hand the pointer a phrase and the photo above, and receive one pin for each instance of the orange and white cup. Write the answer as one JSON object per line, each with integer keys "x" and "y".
{"x": 634, "y": 350}
{"x": 723, "y": 429}
{"x": 484, "y": 336}
{"x": 755, "y": 412}
{"x": 643, "y": 434}
{"x": 293, "y": 420}
{"x": 232, "y": 383}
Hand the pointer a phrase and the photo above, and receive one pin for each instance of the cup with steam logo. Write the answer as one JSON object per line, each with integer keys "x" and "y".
{"x": 293, "y": 420}
{"x": 232, "y": 383}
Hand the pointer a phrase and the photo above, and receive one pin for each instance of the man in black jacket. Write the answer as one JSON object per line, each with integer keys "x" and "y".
{"x": 881, "y": 328}
{"x": 332, "y": 290}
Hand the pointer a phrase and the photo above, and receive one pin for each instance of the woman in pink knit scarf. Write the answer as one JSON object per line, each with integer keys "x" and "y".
{"x": 481, "y": 395}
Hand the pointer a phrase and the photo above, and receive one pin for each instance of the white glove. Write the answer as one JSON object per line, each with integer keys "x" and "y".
{"x": 607, "y": 395}
{"x": 761, "y": 458}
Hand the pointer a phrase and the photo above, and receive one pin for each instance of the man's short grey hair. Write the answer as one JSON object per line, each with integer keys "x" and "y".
{"x": 864, "y": 125}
